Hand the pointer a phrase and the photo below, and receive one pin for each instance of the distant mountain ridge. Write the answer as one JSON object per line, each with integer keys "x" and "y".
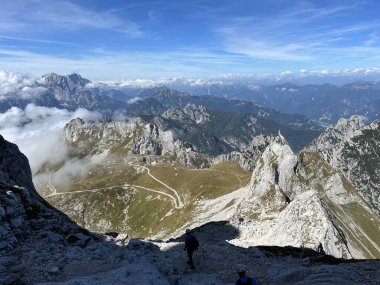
{"x": 69, "y": 92}
{"x": 73, "y": 91}
{"x": 172, "y": 98}
{"x": 325, "y": 103}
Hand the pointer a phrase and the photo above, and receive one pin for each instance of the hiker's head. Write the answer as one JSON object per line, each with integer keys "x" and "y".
{"x": 241, "y": 272}
{"x": 188, "y": 231}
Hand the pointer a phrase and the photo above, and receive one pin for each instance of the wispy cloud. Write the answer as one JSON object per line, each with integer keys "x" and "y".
{"x": 116, "y": 65}
{"x": 37, "y": 40}
{"x": 304, "y": 33}
{"x": 373, "y": 39}
{"x": 42, "y": 124}
{"x": 38, "y": 16}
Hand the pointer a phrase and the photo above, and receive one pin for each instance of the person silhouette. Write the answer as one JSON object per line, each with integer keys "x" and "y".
{"x": 243, "y": 279}
{"x": 191, "y": 244}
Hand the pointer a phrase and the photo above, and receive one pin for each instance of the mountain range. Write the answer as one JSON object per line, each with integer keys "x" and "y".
{"x": 263, "y": 188}
{"x": 253, "y": 183}
{"x": 72, "y": 92}
{"x": 41, "y": 245}
{"x": 324, "y": 103}
{"x": 293, "y": 200}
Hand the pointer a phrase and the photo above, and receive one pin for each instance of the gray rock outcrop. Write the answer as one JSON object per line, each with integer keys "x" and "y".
{"x": 353, "y": 148}
{"x": 248, "y": 157}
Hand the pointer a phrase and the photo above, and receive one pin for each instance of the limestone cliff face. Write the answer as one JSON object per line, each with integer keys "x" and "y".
{"x": 14, "y": 166}
{"x": 274, "y": 170}
{"x": 353, "y": 148}
{"x": 307, "y": 221}
{"x": 198, "y": 114}
{"x": 282, "y": 173}
{"x": 22, "y": 211}
{"x": 298, "y": 200}
{"x": 134, "y": 137}
{"x": 249, "y": 156}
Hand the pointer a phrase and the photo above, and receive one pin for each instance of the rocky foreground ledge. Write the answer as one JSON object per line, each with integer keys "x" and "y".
{"x": 40, "y": 245}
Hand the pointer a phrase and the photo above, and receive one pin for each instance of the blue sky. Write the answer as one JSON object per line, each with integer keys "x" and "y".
{"x": 129, "y": 39}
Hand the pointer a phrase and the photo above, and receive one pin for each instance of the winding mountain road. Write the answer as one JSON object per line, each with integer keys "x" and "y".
{"x": 179, "y": 202}
{"x": 80, "y": 191}
{"x": 176, "y": 199}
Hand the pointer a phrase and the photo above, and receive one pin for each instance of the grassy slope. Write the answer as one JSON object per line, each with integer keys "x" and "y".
{"x": 148, "y": 213}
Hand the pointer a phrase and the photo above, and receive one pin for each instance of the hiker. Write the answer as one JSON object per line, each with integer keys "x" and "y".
{"x": 245, "y": 280}
{"x": 191, "y": 244}
{"x": 320, "y": 249}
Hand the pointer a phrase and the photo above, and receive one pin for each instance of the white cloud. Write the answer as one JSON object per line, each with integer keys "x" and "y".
{"x": 18, "y": 84}
{"x": 75, "y": 167}
{"x": 115, "y": 65}
{"x": 302, "y": 33}
{"x": 134, "y": 100}
{"x": 249, "y": 79}
{"x": 38, "y": 131}
{"x": 25, "y": 15}
{"x": 263, "y": 49}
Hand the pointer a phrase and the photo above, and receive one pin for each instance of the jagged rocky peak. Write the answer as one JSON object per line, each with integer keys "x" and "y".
{"x": 273, "y": 171}
{"x": 295, "y": 199}
{"x": 68, "y": 84}
{"x": 260, "y": 142}
{"x": 350, "y": 125}
{"x": 154, "y": 139}
{"x": 73, "y": 79}
{"x": 198, "y": 114}
{"x": 164, "y": 91}
{"x": 353, "y": 149}
{"x": 97, "y": 137}
{"x": 72, "y": 129}
{"x": 131, "y": 137}
{"x": 282, "y": 174}
{"x": 334, "y": 137}
{"x": 249, "y": 156}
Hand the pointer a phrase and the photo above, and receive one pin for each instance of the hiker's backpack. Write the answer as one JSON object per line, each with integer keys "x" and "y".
{"x": 250, "y": 281}
{"x": 194, "y": 243}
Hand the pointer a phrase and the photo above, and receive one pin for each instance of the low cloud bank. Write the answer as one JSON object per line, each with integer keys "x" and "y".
{"x": 38, "y": 131}
{"x": 18, "y": 85}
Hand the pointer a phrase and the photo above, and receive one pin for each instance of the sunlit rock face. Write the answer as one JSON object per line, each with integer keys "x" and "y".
{"x": 353, "y": 148}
